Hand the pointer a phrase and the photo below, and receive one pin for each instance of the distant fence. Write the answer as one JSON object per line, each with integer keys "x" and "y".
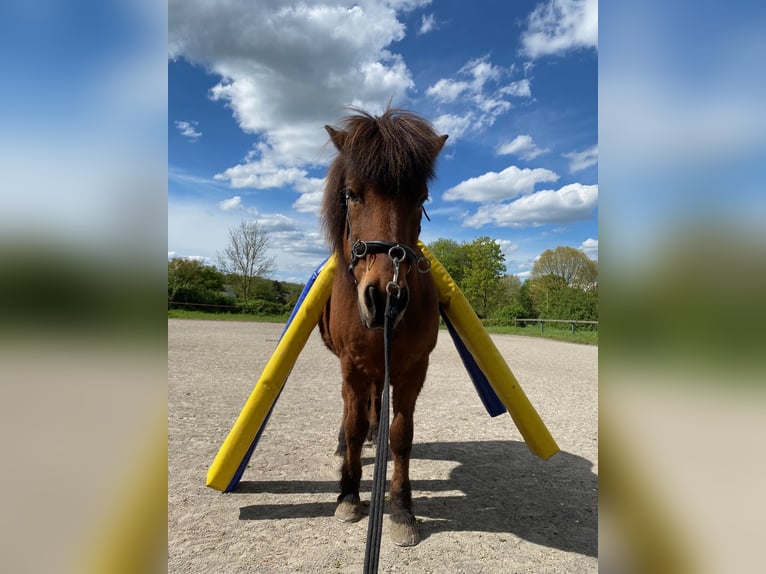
{"x": 542, "y": 322}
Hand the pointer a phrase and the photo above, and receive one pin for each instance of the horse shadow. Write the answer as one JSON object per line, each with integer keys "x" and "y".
{"x": 496, "y": 486}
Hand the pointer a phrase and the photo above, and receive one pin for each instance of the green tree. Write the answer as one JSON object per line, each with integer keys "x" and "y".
{"x": 553, "y": 299}
{"x": 452, "y": 255}
{"x": 509, "y": 301}
{"x": 192, "y": 274}
{"x": 485, "y": 265}
{"x": 246, "y": 256}
{"x": 527, "y": 302}
{"x": 510, "y": 285}
{"x": 544, "y": 292}
{"x": 262, "y": 288}
{"x": 191, "y": 282}
{"x": 572, "y": 265}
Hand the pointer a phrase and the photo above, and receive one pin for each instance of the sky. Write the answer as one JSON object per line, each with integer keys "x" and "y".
{"x": 514, "y": 85}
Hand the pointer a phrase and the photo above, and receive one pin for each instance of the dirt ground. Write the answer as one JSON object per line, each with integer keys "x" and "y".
{"x": 484, "y": 503}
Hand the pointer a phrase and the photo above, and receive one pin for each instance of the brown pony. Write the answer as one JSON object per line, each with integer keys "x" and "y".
{"x": 374, "y": 194}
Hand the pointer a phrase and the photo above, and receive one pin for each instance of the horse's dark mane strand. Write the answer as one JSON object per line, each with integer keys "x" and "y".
{"x": 394, "y": 152}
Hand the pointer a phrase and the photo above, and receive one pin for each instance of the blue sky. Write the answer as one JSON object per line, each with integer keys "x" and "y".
{"x": 513, "y": 84}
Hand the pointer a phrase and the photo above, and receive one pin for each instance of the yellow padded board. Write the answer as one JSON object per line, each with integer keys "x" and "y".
{"x": 490, "y": 361}
{"x": 273, "y": 377}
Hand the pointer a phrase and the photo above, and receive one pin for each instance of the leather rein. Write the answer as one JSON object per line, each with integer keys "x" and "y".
{"x": 397, "y": 253}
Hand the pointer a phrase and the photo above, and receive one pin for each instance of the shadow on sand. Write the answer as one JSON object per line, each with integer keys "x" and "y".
{"x": 505, "y": 489}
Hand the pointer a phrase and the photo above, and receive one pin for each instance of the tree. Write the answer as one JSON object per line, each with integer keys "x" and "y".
{"x": 192, "y": 283}
{"x": 545, "y": 293}
{"x": 452, "y": 255}
{"x": 510, "y": 285}
{"x": 552, "y": 298}
{"x": 191, "y": 274}
{"x": 527, "y": 301}
{"x": 485, "y": 265}
{"x": 509, "y": 302}
{"x": 246, "y": 256}
{"x": 572, "y": 265}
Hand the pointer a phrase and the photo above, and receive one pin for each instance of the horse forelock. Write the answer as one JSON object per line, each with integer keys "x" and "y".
{"x": 392, "y": 150}
{"x": 395, "y": 153}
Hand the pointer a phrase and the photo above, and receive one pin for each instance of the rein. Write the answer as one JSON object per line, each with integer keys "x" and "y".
{"x": 375, "y": 524}
{"x": 397, "y": 253}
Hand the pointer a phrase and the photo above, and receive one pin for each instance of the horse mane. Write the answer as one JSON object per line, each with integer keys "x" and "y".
{"x": 390, "y": 152}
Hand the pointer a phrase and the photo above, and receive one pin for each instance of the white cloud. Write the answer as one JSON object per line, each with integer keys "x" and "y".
{"x": 447, "y": 90}
{"x": 453, "y": 125}
{"x": 231, "y": 204}
{"x": 300, "y": 242}
{"x": 558, "y": 26}
{"x": 522, "y": 89}
{"x": 579, "y": 160}
{"x": 310, "y": 202}
{"x": 286, "y": 69}
{"x": 479, "y": 72}
{"x": 265, "y": 173}
{"x": 522, "y": 146}
{"x": 573, "y": 202}
{"x": 493, "y": 186}
{"x": 590, "y": 248}
{"x": 273, "y": 222}
{"x": 427, "y": 24}
{"x": 507, "y": 247}
{"x": 201, "y": 184}
{"x": 478, "y": 92}
{"x": 188, "y": 130}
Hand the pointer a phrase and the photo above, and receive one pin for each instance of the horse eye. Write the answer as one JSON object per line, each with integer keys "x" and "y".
{"x": 351, "y": 195}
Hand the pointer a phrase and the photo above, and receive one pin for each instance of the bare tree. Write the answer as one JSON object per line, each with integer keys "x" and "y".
{"x": 246, "y": 256}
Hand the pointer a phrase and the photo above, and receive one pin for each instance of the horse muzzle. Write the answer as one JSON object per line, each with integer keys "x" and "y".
{"x": 372, "y": 304}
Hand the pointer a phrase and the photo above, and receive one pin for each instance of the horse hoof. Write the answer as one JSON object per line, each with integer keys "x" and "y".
{"x": 404, "y": 531}
{"x": 372, "y": 434}
{"x": 349, "y": 509}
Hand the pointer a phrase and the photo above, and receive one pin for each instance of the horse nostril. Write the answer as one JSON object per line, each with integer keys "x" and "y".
{"x": 369, "y": 299}
{"x": 372, "y": 305}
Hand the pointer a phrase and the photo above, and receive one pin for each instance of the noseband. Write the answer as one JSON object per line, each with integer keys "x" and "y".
{"x": 396, "y": 251}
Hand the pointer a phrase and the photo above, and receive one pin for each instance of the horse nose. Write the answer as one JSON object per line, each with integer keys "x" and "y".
{"x": 372, "y": 305}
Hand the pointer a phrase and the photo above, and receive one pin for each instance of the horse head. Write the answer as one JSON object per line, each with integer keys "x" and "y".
{"x": 373, "y": 205}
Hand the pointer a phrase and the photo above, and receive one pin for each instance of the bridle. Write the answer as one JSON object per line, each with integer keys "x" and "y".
{"x": 395, "y": 251}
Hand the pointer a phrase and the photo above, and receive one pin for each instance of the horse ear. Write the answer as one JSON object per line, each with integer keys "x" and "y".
{"x": 440, "y": 141}
{"x": 338, "y": 137}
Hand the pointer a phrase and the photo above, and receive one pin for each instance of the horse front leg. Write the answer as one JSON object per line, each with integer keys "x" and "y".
{"x": 355, "y": 426}
{"x": 404, "y": 530}
{"x": 373, "y": 416}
